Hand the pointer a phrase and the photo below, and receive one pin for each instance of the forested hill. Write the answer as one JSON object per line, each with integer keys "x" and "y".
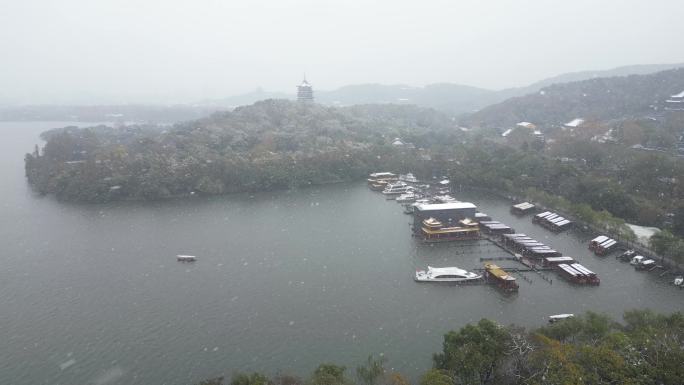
{"x": 268, "y": 145}
{"x": 595, "y": 99}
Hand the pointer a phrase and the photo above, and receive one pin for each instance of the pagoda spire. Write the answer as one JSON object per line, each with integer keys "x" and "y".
{"x": 305, "y": 91}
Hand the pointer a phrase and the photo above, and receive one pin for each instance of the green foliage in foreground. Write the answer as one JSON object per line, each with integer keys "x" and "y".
{"x": 647, "y": 348}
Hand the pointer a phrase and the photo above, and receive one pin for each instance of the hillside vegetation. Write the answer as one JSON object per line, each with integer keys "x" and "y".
{"x": 270, "y": 145}
{"x": 593, "y": 99}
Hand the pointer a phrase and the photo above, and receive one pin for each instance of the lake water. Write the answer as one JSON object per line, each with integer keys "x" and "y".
{"x": 92, "y": 294}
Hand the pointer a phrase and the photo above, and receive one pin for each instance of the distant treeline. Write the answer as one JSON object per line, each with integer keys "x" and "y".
{"x": 647, "y": 348}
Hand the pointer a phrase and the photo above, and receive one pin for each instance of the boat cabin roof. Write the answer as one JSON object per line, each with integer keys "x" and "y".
{"x": 608, "y": 243}
{"x": 382, "y": 174}
{"x": 559, "y": 259}
{"x": 516, "y": 235}
{"x": 561, "y": 316}
{"x": 498, "y": 272}
{"x": 600, "y": 239}
{"x": 582, "y": 269}
{"x": 446, "y": 206}
{"x": 569, "y": 270}
{"x": 446, "y": 271}
{"x": 556, "y": 220}
{"x": 524, "y": 206}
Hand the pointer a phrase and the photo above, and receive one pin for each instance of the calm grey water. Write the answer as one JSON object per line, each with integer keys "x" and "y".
{"x": 91, "y": 294}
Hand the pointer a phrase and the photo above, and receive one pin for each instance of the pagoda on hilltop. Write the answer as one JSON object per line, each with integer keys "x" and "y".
{"x": 305, "y": 92}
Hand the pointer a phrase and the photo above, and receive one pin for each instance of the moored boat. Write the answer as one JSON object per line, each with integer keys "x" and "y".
{"x": 627, "y": 255}
{"x": 446, "y": 274}
{"x": 410, "y": 178}
{"x": 407, "y": 197}
{"x": 636, "y": 260}
{"x": 647, "y": 264}
{"x": 495, "y": 274}
{"x": 397, "y": 188}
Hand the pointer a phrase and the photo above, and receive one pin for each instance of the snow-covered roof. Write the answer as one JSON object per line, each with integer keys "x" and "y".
{"x": 574, "y": 123}
{"x": 524, "y": 205}
{"x": 381, "y": 174}
{"x": 446, "y": 271}
{"x": 446, "y": 206}
{"x": 526, "y": 125}
{"x": 397, "y": 142}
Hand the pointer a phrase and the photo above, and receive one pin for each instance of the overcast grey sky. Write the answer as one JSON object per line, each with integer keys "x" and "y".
{"x": 95, "y": 51}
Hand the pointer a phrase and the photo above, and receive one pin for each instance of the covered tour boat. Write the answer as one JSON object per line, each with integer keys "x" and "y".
{"x": 446, "y": 274}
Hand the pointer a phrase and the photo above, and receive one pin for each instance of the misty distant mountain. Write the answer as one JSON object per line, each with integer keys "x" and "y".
{"x": 447, "y": 97}
{"x": 247, "y": 98}
{"x": 592, "y": 99}
{"x": 454, "y": 99}
{"x": 106, "y": 113}
{"x": 640, "y": 69}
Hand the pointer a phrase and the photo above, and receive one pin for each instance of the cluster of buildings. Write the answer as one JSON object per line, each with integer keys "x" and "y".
{"x": 438, "y": 217}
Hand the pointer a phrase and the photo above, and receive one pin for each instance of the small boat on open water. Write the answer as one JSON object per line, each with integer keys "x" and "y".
{"x": 186, "y": 258}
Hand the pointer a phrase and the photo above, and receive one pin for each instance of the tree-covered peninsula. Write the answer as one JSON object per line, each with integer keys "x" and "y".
{"x": 272, "y": 144}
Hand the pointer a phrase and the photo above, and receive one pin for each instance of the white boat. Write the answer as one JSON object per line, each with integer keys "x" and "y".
{"x": 397, "y": 189}
{"x": 679, "y": 281}
{"x": 446, "y": 198}
{"x": 558, "y": 317}
{"x": 186, "y": 258}
{"x": 647, "y": 264}
{"x": 637, "y": 260}
{"x": 407, "y": 197}
{"x": 408, "y": 178}
{"x": 445, "y": 274}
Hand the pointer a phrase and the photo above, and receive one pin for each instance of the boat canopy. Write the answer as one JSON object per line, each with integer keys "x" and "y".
{"x": 524, "y": 206}
{"x": 446, "y": 271}
{"x": 600, "y": 239}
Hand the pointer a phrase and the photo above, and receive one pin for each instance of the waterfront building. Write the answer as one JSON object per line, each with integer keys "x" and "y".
{"x": 447, "y": 213}
{"x": 433, "y": 230}
{"x": 675, "y": 102}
